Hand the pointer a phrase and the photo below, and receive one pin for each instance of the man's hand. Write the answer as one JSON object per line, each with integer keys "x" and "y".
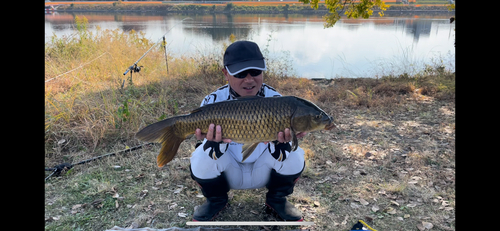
{"x": 285, "y": 137}
{"x": 211, "y": 135}
{"x": 214, "y": 140}
{"x": 281, "y": 148}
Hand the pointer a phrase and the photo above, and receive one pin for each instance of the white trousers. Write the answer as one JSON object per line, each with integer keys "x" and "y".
{"x": 245, "y": 175}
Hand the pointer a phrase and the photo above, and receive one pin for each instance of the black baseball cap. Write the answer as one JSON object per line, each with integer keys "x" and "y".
{"x": 243, "y": 55}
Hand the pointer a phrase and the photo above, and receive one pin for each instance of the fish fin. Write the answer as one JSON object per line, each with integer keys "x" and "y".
{"x": 247, "y": 149}
{"x": 168, "y": 150}
{"x": 162, "y": 132}
{"x": 295, "y": 141}
{"x": 196, "y": 110}
{"x": 251, "y": 97}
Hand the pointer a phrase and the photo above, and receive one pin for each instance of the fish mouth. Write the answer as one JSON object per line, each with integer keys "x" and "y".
{"x": 331, "y": 125}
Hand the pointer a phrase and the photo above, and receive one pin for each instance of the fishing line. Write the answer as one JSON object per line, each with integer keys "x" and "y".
{"x": 77, "y": 67}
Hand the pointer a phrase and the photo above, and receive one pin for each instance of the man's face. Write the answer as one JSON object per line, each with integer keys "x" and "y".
{"x": 248, "y": 86}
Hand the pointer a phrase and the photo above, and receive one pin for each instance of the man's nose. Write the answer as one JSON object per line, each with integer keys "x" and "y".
{"x": 248, "y": 78}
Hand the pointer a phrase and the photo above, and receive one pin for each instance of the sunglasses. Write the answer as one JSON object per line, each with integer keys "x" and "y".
{"x": 252, "y": 72}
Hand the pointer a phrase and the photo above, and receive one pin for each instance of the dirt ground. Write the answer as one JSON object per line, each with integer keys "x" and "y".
{"x": 392, "y": 168}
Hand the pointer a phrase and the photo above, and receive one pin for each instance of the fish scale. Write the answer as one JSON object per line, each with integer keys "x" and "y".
{"x": 243, "y": 122}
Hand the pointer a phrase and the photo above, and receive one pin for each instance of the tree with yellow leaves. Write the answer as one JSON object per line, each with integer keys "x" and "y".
{"x": 351, "y": 8}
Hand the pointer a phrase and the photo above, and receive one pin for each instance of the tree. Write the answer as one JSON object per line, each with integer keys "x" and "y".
{"x": 351, "y": 8}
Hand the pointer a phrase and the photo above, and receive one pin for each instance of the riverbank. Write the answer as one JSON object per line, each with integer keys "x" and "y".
{"x": 391, "y": 162}
{"x": 237, "y": 7}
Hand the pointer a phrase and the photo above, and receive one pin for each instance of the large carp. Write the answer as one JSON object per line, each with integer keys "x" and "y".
{"x": 248, "y": 120}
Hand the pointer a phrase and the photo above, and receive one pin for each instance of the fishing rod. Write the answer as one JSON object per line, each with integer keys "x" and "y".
{"x": 134, "y": 67}
{"x": 67, "y": 166}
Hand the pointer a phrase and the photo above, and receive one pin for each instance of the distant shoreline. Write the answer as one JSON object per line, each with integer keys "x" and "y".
{"x": 285, "y": 8}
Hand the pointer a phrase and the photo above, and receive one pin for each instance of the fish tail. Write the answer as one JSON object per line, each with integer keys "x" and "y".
{"x": 169, "y": 148}
{"x": 162, "y": 132}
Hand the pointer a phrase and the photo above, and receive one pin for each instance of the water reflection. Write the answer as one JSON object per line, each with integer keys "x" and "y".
{"x": 353, "y": 48}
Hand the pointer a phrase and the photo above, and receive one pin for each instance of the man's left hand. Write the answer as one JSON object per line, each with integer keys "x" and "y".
{"x": 285, "y": 137}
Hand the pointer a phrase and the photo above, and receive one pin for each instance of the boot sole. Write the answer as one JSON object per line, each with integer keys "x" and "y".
{"x": 217, "y": 214}
{"x": 277, "y": 215}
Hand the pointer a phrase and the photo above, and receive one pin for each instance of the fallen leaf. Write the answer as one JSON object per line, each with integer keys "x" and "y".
{"x": 179, "y": 189}
{"x": 354, "y": 205}
{"x": 420, "y": 227}
{"x": 134, "y": 225}
{"x": 334, "y": 180}
{"x": 116, "y": 195}
{"x": 97, "y": 203}
{"x": 375, "y": 208}
{"x": 316, "y": 204}
{"x": 395, "y": 203}
{"x": 363, "y": 202}
{"x": 172, "y": 206}
{"x": 182, "y": 214}
{"x": 427, "y": 225}
{"x": 143, "y": 193}
{"x": 406, "y": 216}
{"x": 116, "y": 204}
{"x": 329, "y": 162}
{"x": 400, "y": 218}
{"x": 139, "y": 176}
{"x": 342, "y": 169}
{"x": 76, "y": 206}
{"x": 390, "y": 210}
{"x": 411, "y": 205}
{"x": 343, "y": 222}
{"x": 323, "y": 180}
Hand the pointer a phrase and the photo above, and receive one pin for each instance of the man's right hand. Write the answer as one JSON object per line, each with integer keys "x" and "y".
{"x": 214, "y": 140}
{"x": 211, "y": 135}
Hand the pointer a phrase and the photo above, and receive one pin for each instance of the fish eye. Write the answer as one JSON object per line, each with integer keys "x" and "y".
{"x": 318, "y": 116}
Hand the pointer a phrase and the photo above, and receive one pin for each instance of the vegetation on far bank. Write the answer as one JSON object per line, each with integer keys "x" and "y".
{"x": 391, "y": 160}
{"x": 237, "y": 7}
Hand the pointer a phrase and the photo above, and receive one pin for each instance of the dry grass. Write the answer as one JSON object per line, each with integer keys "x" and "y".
{"x": 394, "y": 149}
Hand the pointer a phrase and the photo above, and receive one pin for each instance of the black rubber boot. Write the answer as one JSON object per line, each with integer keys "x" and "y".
{"x": 279, "y": 187}
{"x": 215, "y": 191}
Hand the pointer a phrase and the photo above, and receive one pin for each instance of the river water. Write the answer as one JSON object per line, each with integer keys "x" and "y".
{"x": 352, "y": 48}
